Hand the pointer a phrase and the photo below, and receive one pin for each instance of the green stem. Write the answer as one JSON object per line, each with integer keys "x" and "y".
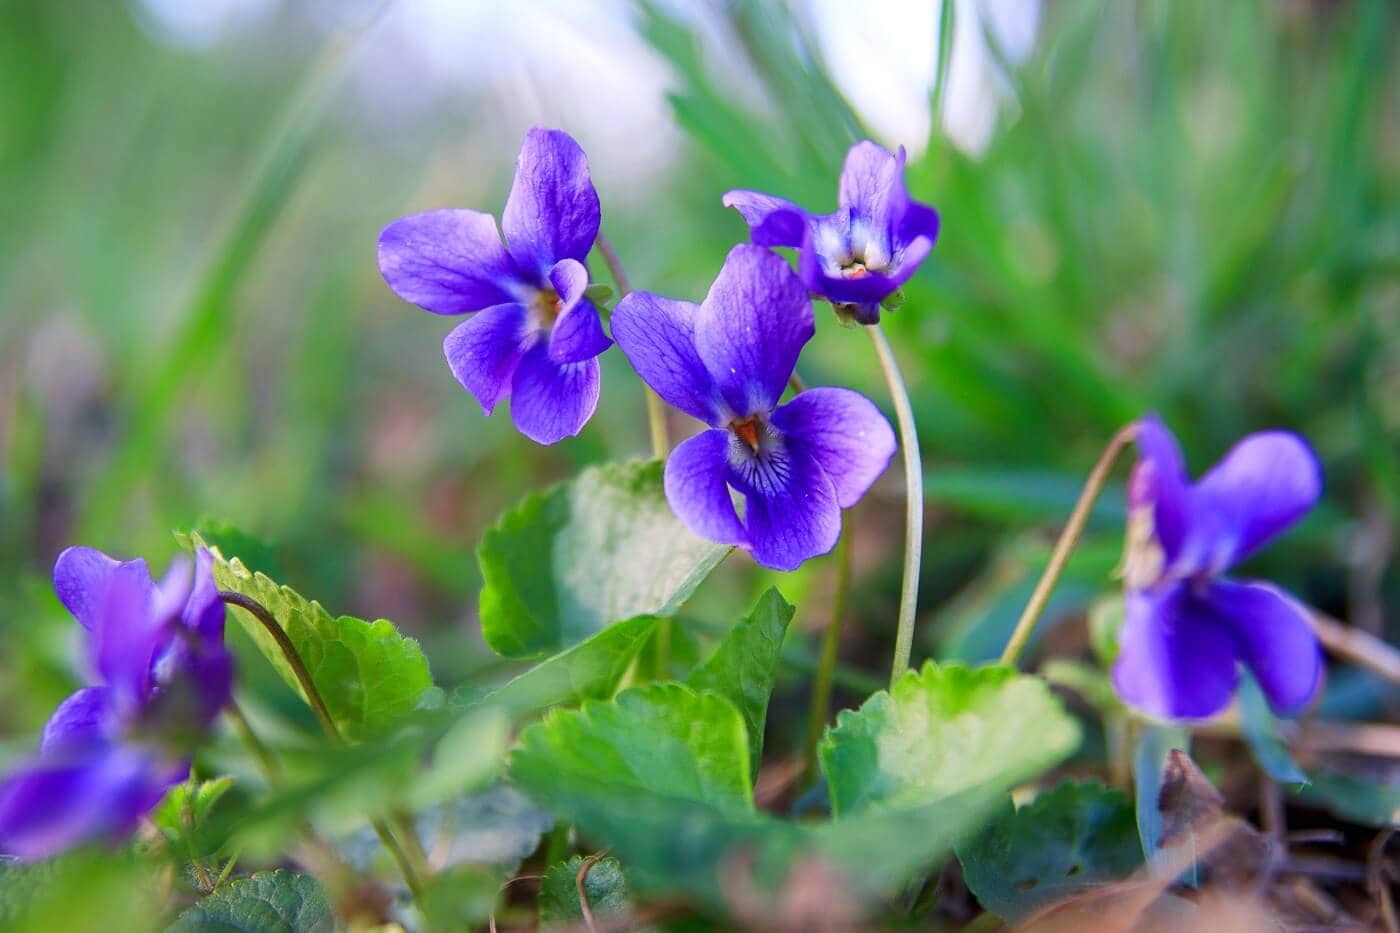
{"x": 1065, "y": 545}
{"x": 656, "y": 411}
{"x": 289, "y": 652}
{"x": 660, "y": 439}
{"x": 338, "y": 878}
{"x": 945, "y": 52}
{"x": 266, "y": 762}
{"x": 228, "y": 869}
{"x": 913, "y": 502}
{"x": 663, "y": 649}
{"x": 412, "y": 874}
{"x": 831, "y": 644}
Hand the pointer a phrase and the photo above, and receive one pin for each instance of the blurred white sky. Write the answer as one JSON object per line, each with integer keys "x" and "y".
{"x": 580, "y": 65}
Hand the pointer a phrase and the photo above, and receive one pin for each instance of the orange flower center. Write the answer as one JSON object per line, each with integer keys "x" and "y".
{"x": 747, "y": 430}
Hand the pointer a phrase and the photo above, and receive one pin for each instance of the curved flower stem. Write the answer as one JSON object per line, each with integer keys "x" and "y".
{"x": 412, "y": 873}
{"x": 656, "y": 411}
{"x": 289, "y": 653}
{"x": 1065, "y": 545}
{"x": 913, "y": 504}
{"x": 831, "y": 644}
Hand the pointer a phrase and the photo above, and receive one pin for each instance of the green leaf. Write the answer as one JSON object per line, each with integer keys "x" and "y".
{"x": 1366, "y": 801}
{"x": 604, "y": 884}
{"x": 745, "y": 664}
{"x": 1261, "y": 735}
{"x": 368, "y": 674}
{"x": 664, "y": 738}
{"x": 1154, "y": 744}
{"x": 943, "y": 730}
{"x": 660, "y": 776}
{"x": 1091, "y": 683}
{"x": 566, "y": 563}
{"x": 1020, "y": 495}
{"x": 1066, "y": 840}
{"x": 591, "y": 669}
{"x": 460, "y": 897}
{"x": 93, "y": 888}
{"x": 186, "y": 805}
{"x": 463, "y": 760}
{"x": 598, "y": 293}
{"x": 268, "y": 901}
{"x": 1105, "y": 620}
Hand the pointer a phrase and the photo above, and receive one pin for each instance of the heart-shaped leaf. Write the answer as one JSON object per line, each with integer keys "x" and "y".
{"x": 660, "y": 775}
{"x": 368, "y": 674}
{"x": 663, "y": 738}
{"x": 568, "y": 562}
{"x": 943, "y": 730}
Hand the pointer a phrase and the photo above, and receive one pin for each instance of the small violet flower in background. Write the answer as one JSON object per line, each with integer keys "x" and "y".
{"x": 161, "y": 677}
{"x": 727, "y": 362}
{"x": 1187, "y": 627}
{"x": 863, "y": 252}
{"x": 532, "y": 335}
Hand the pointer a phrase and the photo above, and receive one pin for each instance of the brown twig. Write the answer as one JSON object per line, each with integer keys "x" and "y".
{"x": 1040, "y": 598}
{"x": 1324, "y": 866}
{"x": 1361, "y": 648}
{"x": 1379, "y": 881}
{"x": 1271, "y": 816}
{"x": 1380, "y": 740}
{"x": 579, "y": 880}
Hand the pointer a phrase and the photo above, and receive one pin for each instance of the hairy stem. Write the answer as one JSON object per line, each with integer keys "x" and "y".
{"x": 412, "y": 874}
{"x": 1065, "y": 545}
{"x": 831, "y": 644}
{"x": 289, "y": 653}
{"x": 913, "y": 502}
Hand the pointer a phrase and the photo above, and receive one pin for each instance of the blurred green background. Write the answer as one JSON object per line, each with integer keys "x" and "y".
{"x": 1186, "y": 207}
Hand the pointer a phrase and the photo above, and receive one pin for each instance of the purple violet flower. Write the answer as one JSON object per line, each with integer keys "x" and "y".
{"x": 727, "y": 362}
{"x": 863, "y": 252}
{"x": 1187, "y": 628}
{"x": 532, "y": 335}
{"x": 111, "y": 750}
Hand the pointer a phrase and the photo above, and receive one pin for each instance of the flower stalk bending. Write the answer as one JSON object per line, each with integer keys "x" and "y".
{"x": 1065, "y": 545}
{"x": 413, "y": 869}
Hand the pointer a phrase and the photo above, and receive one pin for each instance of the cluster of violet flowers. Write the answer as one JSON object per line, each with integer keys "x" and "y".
{"x": 160, "y": 675}
{"x": 532, "y": 333}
